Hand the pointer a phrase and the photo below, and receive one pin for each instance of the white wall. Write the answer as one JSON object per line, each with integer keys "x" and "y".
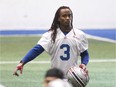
{"x": 35, "y": 14}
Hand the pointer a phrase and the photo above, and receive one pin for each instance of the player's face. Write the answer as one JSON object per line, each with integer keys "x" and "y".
{"x": 65, "y": 17}
{"x": 47, "y": 80}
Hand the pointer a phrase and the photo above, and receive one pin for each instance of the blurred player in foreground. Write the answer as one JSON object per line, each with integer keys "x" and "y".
{"x": 62, "y": 42}
{"x": 54, "y": 78}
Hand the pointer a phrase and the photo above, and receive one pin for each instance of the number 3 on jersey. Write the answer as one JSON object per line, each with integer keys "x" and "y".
{"x": 66, "y": 54}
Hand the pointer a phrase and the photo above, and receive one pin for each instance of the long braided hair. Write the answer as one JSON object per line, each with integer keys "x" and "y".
{"x": 56, "y": 24}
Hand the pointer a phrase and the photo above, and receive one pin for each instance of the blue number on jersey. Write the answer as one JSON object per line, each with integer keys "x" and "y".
{"x": 66, "y": 55}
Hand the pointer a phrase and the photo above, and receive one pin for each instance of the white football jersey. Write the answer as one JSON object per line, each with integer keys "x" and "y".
{"x": 66, "y": 49}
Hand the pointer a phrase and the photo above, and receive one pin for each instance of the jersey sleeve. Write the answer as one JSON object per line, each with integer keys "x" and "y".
{"x": 45, "y": 41}
{"x": 85, "y": 57}
{"x": 83, "y": 43}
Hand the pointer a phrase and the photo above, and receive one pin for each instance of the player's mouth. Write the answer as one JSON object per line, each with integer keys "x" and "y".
{"x": 67, "y": 22}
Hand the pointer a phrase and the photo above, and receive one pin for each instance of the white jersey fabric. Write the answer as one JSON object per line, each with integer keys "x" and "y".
{"x": 66, "y": 49}
{"x": 59, "y": 83}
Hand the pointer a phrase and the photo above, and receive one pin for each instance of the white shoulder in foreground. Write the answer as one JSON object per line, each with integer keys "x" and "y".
{"x": 59, "y": 83}
{"x": 1, "y": 85}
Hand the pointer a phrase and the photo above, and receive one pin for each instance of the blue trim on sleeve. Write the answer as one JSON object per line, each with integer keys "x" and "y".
{"x": 33, "y": 53}
{"x": 85, "y": 57}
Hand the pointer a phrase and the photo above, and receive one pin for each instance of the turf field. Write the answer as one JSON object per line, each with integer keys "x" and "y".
{"x": 13, "y": 49}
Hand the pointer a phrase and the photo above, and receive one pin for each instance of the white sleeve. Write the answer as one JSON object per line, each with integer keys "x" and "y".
{"x": 45, "y": 41}
{"x": 83, "y": 43}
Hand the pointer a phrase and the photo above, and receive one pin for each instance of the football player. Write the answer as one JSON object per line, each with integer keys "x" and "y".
{"x": 54, "y": 78}
{"x": 62, "y": 42}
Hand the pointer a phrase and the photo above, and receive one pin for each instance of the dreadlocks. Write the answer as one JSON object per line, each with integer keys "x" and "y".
{"x": 56, "y": 24}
